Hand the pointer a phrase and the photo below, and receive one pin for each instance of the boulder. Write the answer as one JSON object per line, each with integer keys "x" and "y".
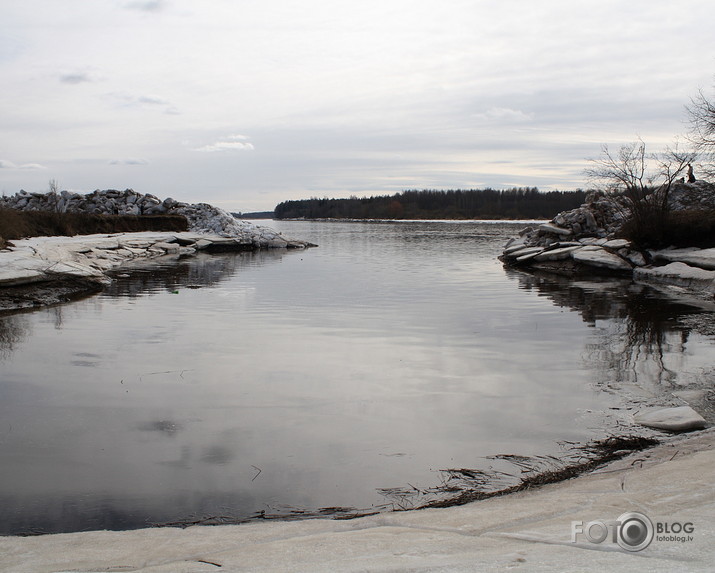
{"x": 678, "y": 274}
{"x": 557, "y": 254}
{"x": 678, "y": 419}
{"x": 523, "y": 251}
{"x": 599, "y": 257}
{"x": 703, "y": 258}
{"x": 616, "y": 244}
{"x": 554, "y": 229}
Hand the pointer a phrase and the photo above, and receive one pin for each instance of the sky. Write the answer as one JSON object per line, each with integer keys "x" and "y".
{"x": 247, "y": 103}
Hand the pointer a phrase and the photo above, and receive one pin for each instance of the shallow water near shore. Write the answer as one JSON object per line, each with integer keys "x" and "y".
{"x": 289, "y": 381}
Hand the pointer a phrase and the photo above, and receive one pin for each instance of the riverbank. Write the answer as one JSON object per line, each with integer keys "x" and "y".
{"x": 41, "y": 271}
{"x": 591, "y": 240}
{"x": 672, "y": 484}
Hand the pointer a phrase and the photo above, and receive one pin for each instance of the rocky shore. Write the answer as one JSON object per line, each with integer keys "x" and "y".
{"x": 587, "y": 240}
{"x": 202, "y": 217}
{"x": 38, "y": 271}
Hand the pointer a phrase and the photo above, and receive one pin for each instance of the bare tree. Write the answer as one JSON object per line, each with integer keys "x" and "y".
{"x": 625, "y": 172}
{"x": 53, "y": 195}
{"x": 642, "y": 182}
{"x": 701, "y": 116}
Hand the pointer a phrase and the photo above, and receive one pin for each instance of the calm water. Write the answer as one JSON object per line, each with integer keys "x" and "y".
{"x": 232, "y": 384}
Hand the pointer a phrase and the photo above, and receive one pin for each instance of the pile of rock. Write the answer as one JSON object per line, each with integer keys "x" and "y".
{"x": 584, "y": 239}
{"x": 40, "y": 259}
{"x": 582, "y": 236}
{"x": 697, "y": 195}
{"x": 202, "y": 218}
{"x": 610, "y": 254}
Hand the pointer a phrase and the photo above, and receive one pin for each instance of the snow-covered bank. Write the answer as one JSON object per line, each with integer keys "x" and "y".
{"x": 202, "y": 217}
{"x": 79, "y": 263}
{"x": 535, "y": 530}
{"x": 585, "y": 241}
{"x": 46, "y": 270}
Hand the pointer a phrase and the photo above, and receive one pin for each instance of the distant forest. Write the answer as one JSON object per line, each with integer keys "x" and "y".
{"x": 517, "y": 203}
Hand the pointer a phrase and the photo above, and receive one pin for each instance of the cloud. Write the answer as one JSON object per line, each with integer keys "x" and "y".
{"x": 229, "y": 143}
{"x": 4, "y": 164}
{"x": 151, "y": 100}
{"x": 148, "y": 101}
{"x": 504, "y": 114}
{"x": 76, "y": 78}
{"x": 146, "y": 5}
{"x": 130, "y": 161}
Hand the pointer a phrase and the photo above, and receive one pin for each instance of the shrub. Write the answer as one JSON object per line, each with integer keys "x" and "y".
{"x": 691, "y": 228}
{"x": 16, "y": 224}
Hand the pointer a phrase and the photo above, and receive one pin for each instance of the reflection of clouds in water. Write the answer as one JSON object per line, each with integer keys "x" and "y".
{"x": 86, "y": 359}
{"x": 144, "y": 278}
{"x": 217, "y": 454}
{"x": 166, "y": 427}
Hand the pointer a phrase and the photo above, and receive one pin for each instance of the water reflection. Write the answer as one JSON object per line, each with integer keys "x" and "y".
{"x": 139, "y": 279}
{"x": 203, "y": 270}
{"x": 13, "y": 330}
{"x": 229, "y": 385}
{"x": 641, "y": 340}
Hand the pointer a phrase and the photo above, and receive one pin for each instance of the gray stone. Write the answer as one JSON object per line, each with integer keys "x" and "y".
{"x": 616, "y": 244}
{"x": 637, "y": 258}
{"x": 678, "y": 419}
{"x": 203, "y": 244}
{"x": 678, "y": 274}
{"x": 524, "y": 251}
{"x": 556, "y": 254}
{"x": 170, "y": 248}
{"x": 602, "y": 259}
{"x": 513, "y": 246}
{"x": 74, "y": 269}
{"x": 556, "y": 230}
{"x": 527, "y": 257}
{"x": 703, "y": 258}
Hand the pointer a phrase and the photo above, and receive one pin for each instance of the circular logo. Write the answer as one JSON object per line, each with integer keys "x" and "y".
{"x": 635, "y": 532}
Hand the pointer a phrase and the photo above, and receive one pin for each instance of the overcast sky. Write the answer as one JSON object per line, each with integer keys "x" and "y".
{"x": 246, "y": 103}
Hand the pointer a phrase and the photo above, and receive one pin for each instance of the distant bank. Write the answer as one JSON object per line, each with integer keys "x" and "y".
{"x": 517, "y": 203}
{"x": 256, "y": 215}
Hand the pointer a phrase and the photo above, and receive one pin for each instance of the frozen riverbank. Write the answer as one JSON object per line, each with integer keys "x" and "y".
{"x": 588, "y": 240}
{"x": 671, "y": 484}
{"x": 46, "y": 270}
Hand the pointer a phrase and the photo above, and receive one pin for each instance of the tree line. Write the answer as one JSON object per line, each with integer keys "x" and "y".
{"x": 515, "y": 203}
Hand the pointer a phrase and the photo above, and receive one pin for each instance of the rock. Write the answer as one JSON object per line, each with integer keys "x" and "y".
{"x": 601, "y": 258}
{"x": 556, "y": 230}
{"x": 637, "y": 259}
{"x": 523, "y": 251}
{"x": 616, "y": 244}
{"x": 692, "y": 396}
{"x": 678, "y": 274}
{"x": 557, "y": 254}
{"x": 526, "y": 231}
{"x": 202, "y": 244}
{"x": 703, "y": 258}
{"x": 678, "y": 419}
{"x": 74, "y": 269}
{"x": 528, "y": 256}
{"x": 513, "y": 245}
{"x": 12, "y": 277}
{"x": 169, "y": 248}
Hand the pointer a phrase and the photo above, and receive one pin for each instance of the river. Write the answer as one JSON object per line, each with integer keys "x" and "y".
{"x": 223, "y": 387}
